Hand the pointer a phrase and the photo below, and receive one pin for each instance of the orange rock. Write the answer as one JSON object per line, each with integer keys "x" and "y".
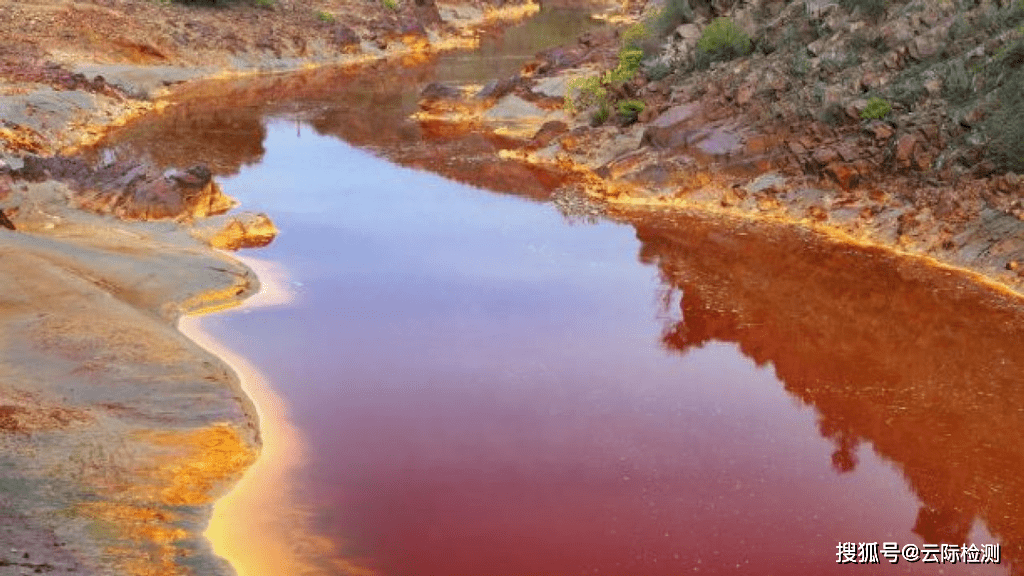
{"x": 844, "y": 174}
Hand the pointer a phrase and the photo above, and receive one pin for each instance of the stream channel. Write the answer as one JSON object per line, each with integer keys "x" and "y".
{"x": 479, "y": 385}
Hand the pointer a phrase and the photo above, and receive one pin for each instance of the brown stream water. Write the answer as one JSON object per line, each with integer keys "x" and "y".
{"x": 484, "y": 387}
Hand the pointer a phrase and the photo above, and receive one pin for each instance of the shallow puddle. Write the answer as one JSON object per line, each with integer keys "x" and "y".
{"x": 483, "y": 387}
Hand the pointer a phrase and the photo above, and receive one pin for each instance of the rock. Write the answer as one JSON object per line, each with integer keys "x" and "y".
{"x": 854, "y": 108}
{"x": 745, "y": 94}
{"x": 771, "y": 182}
{"x": 688, "y": 34}
{"x": 5, "y": 222}
{"x": 933, "y": 86}
{"x": 880, "y": 130}
{"x": 669, "y": 129}
{"x": 343, "y": 36}
{"x": 440, "y": 91}
{"x": 825, "y": 156}
{"x": 244, "y": 230}
{"x": 924, "y": 47}
{"x": 497, "y": 88}
{"x": 512, "y": 107}
{"x": 844, "y": 174}
{"x": 904, "y": 151}
{"x": 555, "y": 86}
{"x": 548, "y": 132}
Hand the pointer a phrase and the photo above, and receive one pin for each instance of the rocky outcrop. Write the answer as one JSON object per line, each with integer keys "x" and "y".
{"x": 243, "y": 230}
{"x": 133, "y": 190}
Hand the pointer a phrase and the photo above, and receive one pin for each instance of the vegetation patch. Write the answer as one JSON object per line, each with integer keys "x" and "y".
{"x": 674, "y": 13}
{"x": 1005, "y": 126}
{"x": 722, "y": 40}
{"x": 877, "y": 109}
{"x": 629, "y": 110}
{"x": 325, "y": 16}
{"x": 593, "y": 90}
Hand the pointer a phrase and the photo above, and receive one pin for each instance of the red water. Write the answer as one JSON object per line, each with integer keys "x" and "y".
{"x": 485, "y": 389}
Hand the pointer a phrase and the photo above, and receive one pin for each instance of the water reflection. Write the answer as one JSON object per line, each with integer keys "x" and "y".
{"x": 920, "y": 365}
{"x": 482, "y": 387}
{"x": 222, "y": 123}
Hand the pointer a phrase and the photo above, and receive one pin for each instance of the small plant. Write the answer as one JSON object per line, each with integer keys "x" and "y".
{"x": 630, "y": 110}
{"x": 635, "y": 35}
{"x": 593, "y": 90}
{"x": 674, "y": 13}
{"x": 600, "y": 116}
{"x": 264, "y": 4}
{"x": 390, "y": 4}
{"x": 799, "y": 65}
{"x": 1005, "y": 126}
{"x": 657, "y": 70}
{"x": 325, "y": 16}
{"x": 722, "y": 40}
{"x": 877, "y": 109}
{"x": 957, "y": 86}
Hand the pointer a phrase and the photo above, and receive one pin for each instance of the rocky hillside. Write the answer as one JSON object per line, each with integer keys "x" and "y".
{"x": 895, "y": 122}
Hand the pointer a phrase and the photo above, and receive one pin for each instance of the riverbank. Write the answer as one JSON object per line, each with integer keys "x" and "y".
{"x": 759, "y": 137}
{"x": 119, "y": 432}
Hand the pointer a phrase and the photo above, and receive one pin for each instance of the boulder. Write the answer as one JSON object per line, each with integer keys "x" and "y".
{"x": 243, "y": 230}
{"x": 904, "y": 151}
{"x": 498, "y": 87}
{"x": 440, "y": 91}
{"x": 670, "y": 129}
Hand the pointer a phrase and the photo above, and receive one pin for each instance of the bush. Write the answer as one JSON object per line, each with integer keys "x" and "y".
{"x": 869, "y": 8}
{"x": 877, "y": 109}
{"x": 390, "y": 4}
{"x": 657, "y": 70}
{"x": 674, "y": 13}
{"x": 1005, "y": 126}
{"x": 600, "y": 116}
{"x": 722, "y": 40}
{"x": 957, "y": 85}
{"x": 629, "y": 110}
{"x": 325, "y": 16}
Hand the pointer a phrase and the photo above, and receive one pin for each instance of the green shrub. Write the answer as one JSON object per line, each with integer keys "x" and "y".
{"x": 674, "y": 13}
{"x": 657, "y": 70}
{"x": 877, "y": 109}
{"x": 600, "y": 116}
{"x": 869, "y": 8}
{"x": 631, "y": 109}
{"x": 1005, "y": 126}
{"x": 324, "y": 16}
{"x": 635, "y": 35}
{"x": 390, "y": 4}
{"x": 957, "y": 84}
{"x": 265, "y": 4}
{"x": 722, "y": 40}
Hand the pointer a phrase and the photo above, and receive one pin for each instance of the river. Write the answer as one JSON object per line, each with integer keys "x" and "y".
{"x": 480, "y": 385}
